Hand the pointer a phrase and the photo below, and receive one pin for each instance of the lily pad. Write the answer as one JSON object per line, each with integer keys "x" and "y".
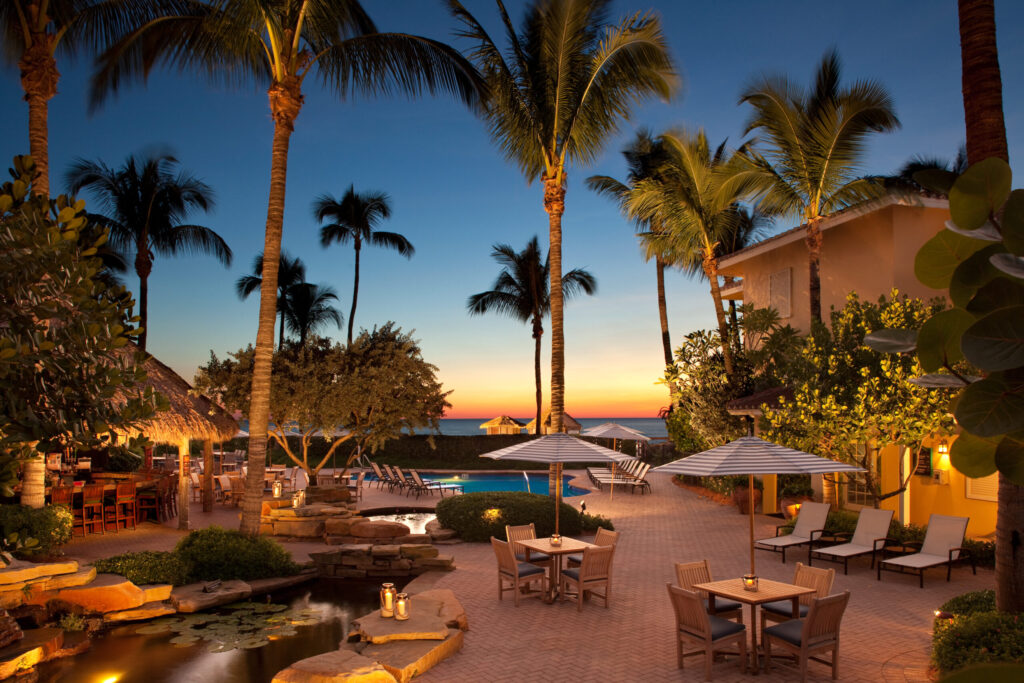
{"x": 153, "y": 628}
{"x": 184, "y": 640}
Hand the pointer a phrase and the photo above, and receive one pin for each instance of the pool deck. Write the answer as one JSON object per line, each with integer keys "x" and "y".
{"x": 886, "y": 628}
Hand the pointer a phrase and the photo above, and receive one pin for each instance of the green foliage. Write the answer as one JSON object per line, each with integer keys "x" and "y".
{"x": 215, "y": 553}
{"x": 478, "y": 516}
{"x": 68, "y": 378}
{"x": 122, "y": 459}
{"x": 977, "y": 638}
{"x": 980, "y": 259}
{"x": 795, "y": 485}
{"x": 727, "y": 485}
{"x": 970, "y": 603}
{"x": 38, "y": 531}
{"x": 375, "y": 389}
{"x": 145, "y": 567}
{"x": 72, "y": 622}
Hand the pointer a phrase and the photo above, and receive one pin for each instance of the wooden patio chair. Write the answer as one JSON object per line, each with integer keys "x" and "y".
{"x": 122, "y": 508}
{"x": 810, "y": 525}
{"x": 237, "y": 490}
{"x": 602, "y": 537}
{"x": 820, "y": 580}
{"x": 357, "y": 488}
{"x": 517, "y": 574}
{"x": 525, "y": 532}
{"x": 224, "y": 486}
{"x": 63, "y": 496}
{"x": 326, "y": 480}
{"x": 689, "y": 574}
{"x": 709, "y": 632}
{"x": 197, "y": 486}
{"x": 805, "y": 637}
{"x": 594, "y": 572}
{"x": 943, "y": 545}
{"x": 288, "y": 479}
{"x": 868, "y": 538}
{"x": 92, "y": 509}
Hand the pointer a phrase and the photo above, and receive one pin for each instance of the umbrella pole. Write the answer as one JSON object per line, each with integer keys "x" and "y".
{"x": 750, "y": 508}
{"x": 611, "y": 494}
{"x": 558, "y": 493}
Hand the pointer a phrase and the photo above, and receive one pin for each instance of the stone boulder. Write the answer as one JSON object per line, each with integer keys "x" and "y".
{"x": 378, "y": 529}
{"x": 9, "y": 629}
{"x": 150, "y": 610}
{"x": 422, "y": 624}
{"x": 340, "y": 526}
{"x": 331, "y": 667}
{"x": 449, "y": 609}
{"x": 21, "y": 572}
{"x": 37, "y": 646}
{"x": 193, "y": 597}
{"x": 107, "y": 593}
{"x": 407, "y": 659}
{"x": 263, "y": 586}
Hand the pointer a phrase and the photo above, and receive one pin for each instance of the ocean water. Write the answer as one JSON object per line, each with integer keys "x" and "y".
{"x": 651, "y": 426}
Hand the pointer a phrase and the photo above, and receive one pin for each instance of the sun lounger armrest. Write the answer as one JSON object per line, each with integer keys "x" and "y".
{"x": 841, "y": 536}
{"x": 816, "y": 535}
{"x": 880, "y": 543}
{"x": 911, "y": 545}
{"x": 779, "y": 528}
{"x": 963, "y": 554}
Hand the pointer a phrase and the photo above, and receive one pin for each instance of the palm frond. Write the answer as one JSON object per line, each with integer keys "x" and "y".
{"x": 192, "y": 240}
{"x": 393, "y": 241}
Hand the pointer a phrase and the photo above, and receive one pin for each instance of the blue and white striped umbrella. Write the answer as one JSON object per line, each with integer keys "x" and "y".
{"x": 557, "y": 448}
{"x": 613, "y": 430}
{"x": 751, "y": 455}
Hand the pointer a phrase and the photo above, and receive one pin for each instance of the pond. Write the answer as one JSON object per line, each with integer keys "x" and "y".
{"x": 124, "y": 656}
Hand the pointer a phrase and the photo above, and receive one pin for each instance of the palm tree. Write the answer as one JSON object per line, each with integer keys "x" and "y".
{"x": 290, "y": 272}
{"x": 569, "y": 82}
{"x": 309, "y": 310}
{"x": 695, "y": 197}
{"x": 143, "y": 203}
{"x": 644, "y": 158}
{"x": 36, "y": 31}
{"x": 354, "y": 217}
{"x": 521, "y": 292}
{"x": 814, "y": 141}
{"x": 279, "y": 44}
{"x": 903, "y": 180}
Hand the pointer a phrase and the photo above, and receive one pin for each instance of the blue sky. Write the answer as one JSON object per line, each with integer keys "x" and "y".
{"x": 454, "y": 196}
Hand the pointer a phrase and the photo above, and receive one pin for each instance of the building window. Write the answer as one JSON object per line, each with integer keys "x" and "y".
{"x": 924, "y": 463}
{"x": 780, "y": 288}
{"x": 857, "y": 492}
{"x": 984, "y": 488}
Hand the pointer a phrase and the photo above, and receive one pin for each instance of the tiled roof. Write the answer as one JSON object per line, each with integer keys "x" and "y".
{"x": 753, "y": 402}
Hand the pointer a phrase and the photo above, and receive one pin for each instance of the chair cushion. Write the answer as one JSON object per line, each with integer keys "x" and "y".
{"x": 534, "y": 557}
{"x": 720, "y": 628}
{"x": 785, "y": 608}
{"x": 527, "y": 569}
{"x": 723, "y": 605}
{"x": 788, "y": 631}
{"x": 578, "y": 559}
{"x": 573, "y": 573}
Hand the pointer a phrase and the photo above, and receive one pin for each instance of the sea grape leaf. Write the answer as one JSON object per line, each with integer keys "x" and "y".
{"x": 996, "y": 342}
{"x": 1013, "y": 222}
{"x": 991, "y": 406}
{"x": 1010, "y": 458}
{"x": 988, "y": 231}
{"x": 974, "y": 272}
{"x": 936, "y": 179}
{"x": 973, "y": 456}
{"x": 999, "y": 292}
{"x": 938, "y": 380}
{"x": 938, "y": 343}
{"x": 891, "y": 340}
{"x": 1009, "y": 264}
{"x": 940, "y": 256}
{"x": 979, "y": 192}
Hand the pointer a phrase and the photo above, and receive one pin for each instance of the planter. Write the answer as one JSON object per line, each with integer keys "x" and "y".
{"x": 741, "y": 496}
{"x": 791, "y": 506}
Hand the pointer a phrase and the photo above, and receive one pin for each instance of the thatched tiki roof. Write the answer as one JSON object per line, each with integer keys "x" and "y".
{"x": 570, "y": 425}
{"x": 503, "y": 424}
{"x": 190, "y": 416}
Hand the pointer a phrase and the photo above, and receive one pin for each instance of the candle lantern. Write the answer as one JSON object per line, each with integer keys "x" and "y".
{"x": 402, "y": 604}
{"x": 387, "y": 600}
{"x": 278, "y": 488}
{"x": 556, "y": 540}
{"x": 750, "y": 582}
{"x": 298, "y": 499}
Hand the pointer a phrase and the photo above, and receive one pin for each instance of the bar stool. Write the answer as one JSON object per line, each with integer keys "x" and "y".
{"x": 123, "y": 507}
{"x": 148, "y": 501}
{"x": 92, "y": 508}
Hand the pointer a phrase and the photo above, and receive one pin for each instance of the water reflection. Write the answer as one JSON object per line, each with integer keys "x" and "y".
{"x": 124, "y": 656}
{"x": 416, "y": 521}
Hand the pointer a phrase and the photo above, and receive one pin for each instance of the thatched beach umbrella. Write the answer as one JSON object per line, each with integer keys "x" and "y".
{"x": 190, "y": 416}
{"x": 503, "y": 424}
{"x": 570, "y": 425}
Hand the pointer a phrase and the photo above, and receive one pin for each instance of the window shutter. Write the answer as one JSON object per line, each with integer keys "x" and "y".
{"x": 983, "y": 488}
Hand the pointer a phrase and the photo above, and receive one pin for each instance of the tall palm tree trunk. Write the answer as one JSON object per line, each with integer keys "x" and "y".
{"x": 355, "y": 295}
{"x": 39, "y": 78}
{"x": 711, "y": 271}
{"x": 285, "y": 104}
{"x": 537, "y": 333}
{"x": 986, "y": 137}
{"x": 666, "y": 343}
{"x": 554, "y": 205}
{"x": 813, "y": 239}
{"x": 33, "y": 482}
{"x": 143, "y": 267}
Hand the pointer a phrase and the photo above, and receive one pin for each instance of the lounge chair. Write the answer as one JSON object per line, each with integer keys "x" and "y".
{"x": 594, "y": 572}
{"x": 622, "y": 475}
{"x": 525, "y": 532}
{"x": 804, "y": 637}
{"x": 820, "y": 580}
{"x": 695, "y": 625}
{"x": 439, "y": 486}
{"x": 382, "y": 479}
{"x": 622, "y": 479}
{"x": 943, "y": 545}
{"x": 398, "y": 476}
{"x": 810, "y": 525}
{"x": 688, "y": 574}
{"x": 868, "y": 538}
{"x": 602, "y": 537}
{"x": 417, "y": 484}
{"x": 517, "y": 573}
{"x": 356, "y": 489}
{"x": 640, "y": 482}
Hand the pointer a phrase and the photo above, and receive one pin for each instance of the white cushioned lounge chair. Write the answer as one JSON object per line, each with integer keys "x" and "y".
{"x": 810, "y": 525}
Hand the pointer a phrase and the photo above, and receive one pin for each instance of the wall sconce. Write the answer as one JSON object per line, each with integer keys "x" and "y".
{"x": 940, "y": 473}
{"x": 750, "y": 582}
{"x": 402, "y": 605}
{"x": 387, "y": 600}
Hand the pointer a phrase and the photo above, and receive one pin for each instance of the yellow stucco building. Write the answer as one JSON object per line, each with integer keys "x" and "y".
{"x": 868, "y": 249}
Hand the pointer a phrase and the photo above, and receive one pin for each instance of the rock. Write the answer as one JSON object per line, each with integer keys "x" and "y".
{"x": 421, "y": 625}
{"x": 451, "y": 609}
{"x": 417, "y": 551}
{"x": 156, "y": 592}
{"x": 442, "y": 535}
{"x": 332, "y": 495}
{"x": 266, "y": 528}
{"x": 386, "y": 551}
{"x": 340, "y": 665}
{"x": 444, "y": 562}
{"x": 192, "y": 598}
{"x": 19, "y": 571}
{"x": 79, "y": 578}
{"x": 349, "y": 573}
{"x": 378, "y": 529}
{"x": 335, "y": 510}
{"x": 269, "y": 505}
{"x": 150, "y": 610}
{"x": 432, "y": 526}
{"x": 9, "y": 629}
{"x": 330, "y": 557}
{"x": 340, "y": 526}
{"x": 31, "y": 616}
{"x": 107, "y": 593}
{"x": 10, "y": 599}
{"x": 37, "y": 646}
{"x": 311, "y": 527}
{"x": 410, "y": 658}
{"x": 299, "y": 512}
{"x": 413, "y": 538}
{"x": 261, "y": 586}
{"x": 75, "y": 643}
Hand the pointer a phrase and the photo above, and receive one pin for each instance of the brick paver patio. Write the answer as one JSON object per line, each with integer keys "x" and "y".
{"x": 885, "y": 636}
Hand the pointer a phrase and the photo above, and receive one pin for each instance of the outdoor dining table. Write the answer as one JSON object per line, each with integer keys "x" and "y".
{"x": 569, "y": 546}
{"x": 767, "y": 591}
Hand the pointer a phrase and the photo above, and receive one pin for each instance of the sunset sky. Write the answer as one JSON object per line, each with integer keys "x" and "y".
{"x": 453, "y": 195}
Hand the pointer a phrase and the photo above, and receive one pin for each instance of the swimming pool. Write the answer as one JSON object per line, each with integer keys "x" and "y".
{"x": 488, "y": 481}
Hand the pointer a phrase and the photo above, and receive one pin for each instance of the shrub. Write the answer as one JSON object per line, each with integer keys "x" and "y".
{"x": 145, "y": 567}
{"x": 120, "y": 459}
{"x": 978, "y": 638}
{"x": 478, "y": 516}
{"x": 795, "y": 486}
{"x": 595, "y": 522}
{"x": 217, "y": 553}
{"x": 970, "y": 603}
{"x": 50, "y": 526}
{"x": 72, "y": 622}
{"x": 983, "y": 552}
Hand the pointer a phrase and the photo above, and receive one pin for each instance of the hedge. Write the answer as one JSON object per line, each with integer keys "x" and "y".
{"x": 478, "y": 516}
{"x": 145, "y": 567}
{"x": 50, "y": 526}
{"x": 977, "y": 638}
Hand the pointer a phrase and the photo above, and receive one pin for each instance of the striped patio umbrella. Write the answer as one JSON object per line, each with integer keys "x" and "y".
{"x": 750, "y": 455}
{"x": 557, "y": 449}
{"x": 613, "y": 430}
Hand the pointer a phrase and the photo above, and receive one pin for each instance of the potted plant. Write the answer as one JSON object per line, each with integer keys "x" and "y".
{"x": 794, "y": 489}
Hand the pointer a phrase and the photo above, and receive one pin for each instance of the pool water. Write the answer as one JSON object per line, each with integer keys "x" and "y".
{"x": 124, "y": 656}
{"x": 483, "y": 481}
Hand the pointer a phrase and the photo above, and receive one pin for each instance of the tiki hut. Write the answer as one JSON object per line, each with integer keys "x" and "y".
{"x": 570, "y": 425}
{"x": 503, "y": 424}
{"x": 189, "y": 416}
